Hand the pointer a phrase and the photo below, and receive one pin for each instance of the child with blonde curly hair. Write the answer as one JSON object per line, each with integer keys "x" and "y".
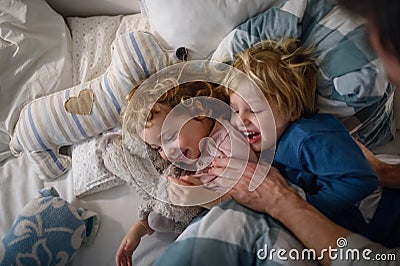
{"x": 187, "y": 125}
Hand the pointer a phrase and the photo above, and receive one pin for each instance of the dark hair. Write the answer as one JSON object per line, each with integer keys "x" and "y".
{"x": 384, "y": 14}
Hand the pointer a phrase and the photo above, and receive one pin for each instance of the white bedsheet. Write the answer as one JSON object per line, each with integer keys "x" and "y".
{"x": 117, "y": 208}
{"x": 34, "y": 59}
{"x": 19, "y": 184}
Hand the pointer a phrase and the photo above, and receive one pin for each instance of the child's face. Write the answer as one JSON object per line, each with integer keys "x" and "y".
{"x": 181, "y": 140}
{"x": 255, "y": 120}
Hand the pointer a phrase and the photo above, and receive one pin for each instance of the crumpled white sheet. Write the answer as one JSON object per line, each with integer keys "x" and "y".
{"x": 35, "y": 59}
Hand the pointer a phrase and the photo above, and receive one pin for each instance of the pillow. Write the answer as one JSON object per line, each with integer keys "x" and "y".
{"x": 85, "y": 110}
{"x": 198, "y": 25}
{"x": 355, "y": 88}
{"x": 135, "y": 22}
{"x": 34, "y": 59}
{"x": 92, "y": 39}
{"x": 91, "y": 42}
{"x": 88, "y": 171}
{"x": 48, "y": 231}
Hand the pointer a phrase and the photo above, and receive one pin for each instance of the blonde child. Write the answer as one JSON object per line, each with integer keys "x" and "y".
{"x": 314, "y": 151}
{"x": 186, "y": 126}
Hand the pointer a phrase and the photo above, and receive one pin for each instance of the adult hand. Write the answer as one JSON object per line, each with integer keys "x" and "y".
{"x": 271, "y": 195}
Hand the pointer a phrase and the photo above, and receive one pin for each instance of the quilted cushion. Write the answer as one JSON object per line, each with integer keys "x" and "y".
{"x": 48, "y": 231}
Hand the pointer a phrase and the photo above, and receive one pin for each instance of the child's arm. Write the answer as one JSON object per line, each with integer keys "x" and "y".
{"x": 131, "y": 241}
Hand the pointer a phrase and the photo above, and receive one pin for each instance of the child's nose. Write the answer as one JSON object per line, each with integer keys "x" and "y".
{"x": 244, "y": 119}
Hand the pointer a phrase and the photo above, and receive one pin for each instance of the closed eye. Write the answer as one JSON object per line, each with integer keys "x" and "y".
{"x": 257, "y": 111}
{"x": 234, "y": 111}
{"x": 169, "y": 138}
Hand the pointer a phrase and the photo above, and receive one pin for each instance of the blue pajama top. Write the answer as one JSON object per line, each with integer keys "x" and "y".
{"x": 319, "y": 155}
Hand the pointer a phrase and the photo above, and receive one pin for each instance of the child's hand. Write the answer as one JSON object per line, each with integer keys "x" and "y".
{"x": 230, "y": 170}
{"x": 125, "y": 250}
{"x": 189, "y": 191}
{"x": 129, "y": 244}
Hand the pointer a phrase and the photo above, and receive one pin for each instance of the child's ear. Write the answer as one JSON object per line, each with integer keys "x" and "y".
{"x": 156, "y": 107}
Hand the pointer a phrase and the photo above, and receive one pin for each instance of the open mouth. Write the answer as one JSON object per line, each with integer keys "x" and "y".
{"x": 252, "y": 136}
{"x": 186, "y": 153}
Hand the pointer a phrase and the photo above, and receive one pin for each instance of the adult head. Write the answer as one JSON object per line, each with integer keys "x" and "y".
{"x": 383, "y": 18}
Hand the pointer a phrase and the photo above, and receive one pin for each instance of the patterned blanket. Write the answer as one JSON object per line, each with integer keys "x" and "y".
{"x": 231, "y": 234}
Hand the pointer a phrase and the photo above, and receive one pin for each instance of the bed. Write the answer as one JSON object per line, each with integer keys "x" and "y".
{"x": 47, "y": 47}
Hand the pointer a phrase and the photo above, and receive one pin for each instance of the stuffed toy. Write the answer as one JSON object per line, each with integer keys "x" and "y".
{"x": 83, "y": 111}
{"x": 148, "y": 177}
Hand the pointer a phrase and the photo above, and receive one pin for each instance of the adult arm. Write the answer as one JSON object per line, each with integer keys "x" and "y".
{"x": 275, "y": 197}
{"x": 388, "y": 174}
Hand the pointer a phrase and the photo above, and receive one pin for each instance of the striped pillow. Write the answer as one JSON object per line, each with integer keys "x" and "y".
{"x": 44, "y": 124}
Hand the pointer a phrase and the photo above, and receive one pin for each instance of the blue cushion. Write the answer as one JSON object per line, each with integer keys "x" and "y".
{"x": 49, "y": 231}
